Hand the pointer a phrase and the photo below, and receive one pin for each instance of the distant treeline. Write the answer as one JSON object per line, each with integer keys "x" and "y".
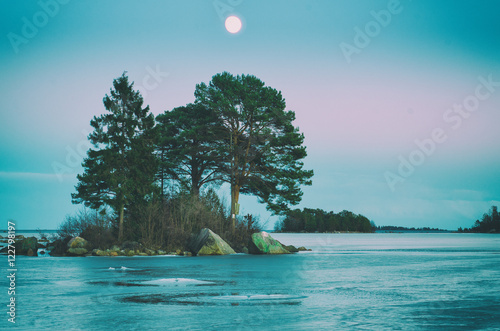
{"x": 318, "y": 220}
{"x": 402, "y": 228}
{"x": 489, "y": 224}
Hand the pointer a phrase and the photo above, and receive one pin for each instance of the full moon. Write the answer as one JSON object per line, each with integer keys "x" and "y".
{"x": 233, "y": 24}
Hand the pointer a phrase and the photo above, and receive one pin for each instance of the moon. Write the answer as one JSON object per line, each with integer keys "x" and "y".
{"x": 233, "y": 24}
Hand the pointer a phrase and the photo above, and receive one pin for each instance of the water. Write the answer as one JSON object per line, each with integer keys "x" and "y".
{"x": 349, "y": 281}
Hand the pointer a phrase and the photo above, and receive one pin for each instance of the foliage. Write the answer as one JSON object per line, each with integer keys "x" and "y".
{"x": 318, "y": 220}
{"x": 490, "y": 222}
{"x": 263, "y": 149}
{"x": 187, "y": 147}
{"x": 95, "y": 226}
{"x": 237, "y": 131}
{"x": 169, "y": 223}
{"x": 120, "y": 171}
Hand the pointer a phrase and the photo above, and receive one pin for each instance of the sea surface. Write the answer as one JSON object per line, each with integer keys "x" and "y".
{"x": 444, "y": 281}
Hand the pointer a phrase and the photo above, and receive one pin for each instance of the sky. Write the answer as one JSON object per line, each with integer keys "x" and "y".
{"x": 398, "y": 100}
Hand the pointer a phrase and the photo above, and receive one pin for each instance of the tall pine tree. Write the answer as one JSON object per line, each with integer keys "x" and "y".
{"x": 121, "y": 168}
{"x": 264, "y": 151}
{"x": 188, "y": 147}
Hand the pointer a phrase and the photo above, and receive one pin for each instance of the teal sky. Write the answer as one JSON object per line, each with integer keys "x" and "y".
{"x": 362, "y": 111}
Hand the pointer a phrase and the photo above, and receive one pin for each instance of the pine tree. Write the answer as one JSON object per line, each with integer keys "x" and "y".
{"x": 264, "y": 151}
{"x": 188, "y": 147}
{"x": 120, "y": 170}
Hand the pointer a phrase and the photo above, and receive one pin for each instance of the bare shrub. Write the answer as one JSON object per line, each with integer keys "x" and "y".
{"x": 171, "y": 223}
{"x": 92, "y": 225}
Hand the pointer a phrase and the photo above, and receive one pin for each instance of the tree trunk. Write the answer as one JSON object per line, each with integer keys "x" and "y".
{"x": 235, "y": 195}
{"x": 162, "y": 174}
{"x": 195, "y": 191}
{"x": 120, "y": 225}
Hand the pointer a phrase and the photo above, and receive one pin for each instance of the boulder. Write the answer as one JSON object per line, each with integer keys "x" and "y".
{"x": 59, "y": 247}
{"x": 303, "y": 249}
{"x": 209, "y": 243}
{"x": 133, "y": 246}
{"x": 98, "y": 252}
{"x": 78, "y": 242}
{"x": 290, "y": 248}
{"x": 115, "y": 248}
{"x": 27, "y": 246}
{"x": 263, "y": 243}
{"x": 78, "y": 246}
{"x": 77, "y": 251}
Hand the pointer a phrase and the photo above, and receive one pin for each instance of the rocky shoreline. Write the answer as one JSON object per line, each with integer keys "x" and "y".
{"x": 205, "y": 243}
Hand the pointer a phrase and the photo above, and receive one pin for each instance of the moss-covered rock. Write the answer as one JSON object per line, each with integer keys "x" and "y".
{"x": 59, "y": 247}
{"x": 27, "y": 246}
{"x": 78, "y": 242}
{"x": 98, "y": 252}
{"x": 78, "y": 246}
{"x": 115, "y": 248}
{"x": 77, "y": 251}
{"x": 290, "y": 248}
{"x": 209, "y": 243}
{"x": 133, "y": 246}
{"x": 129, "y": 252}
{"x": 263, "y": 243}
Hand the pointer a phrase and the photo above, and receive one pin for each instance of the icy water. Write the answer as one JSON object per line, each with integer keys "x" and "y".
{"x": 349, "y": 281}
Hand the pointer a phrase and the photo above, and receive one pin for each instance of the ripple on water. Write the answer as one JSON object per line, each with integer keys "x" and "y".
{"x": 122, "y": 268}
{"x": 172, "y": 282}
{"x": 176, "y": 281}
{"x": 215, "y": 299}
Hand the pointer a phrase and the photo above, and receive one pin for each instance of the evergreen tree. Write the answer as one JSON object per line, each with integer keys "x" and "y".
{"x": 489, "y": 223}
{"x": 312, "y": 220}
{"x": 120, "y": 170}
{"x": 188, "y": 147}
{"x": 264, "y": 150}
